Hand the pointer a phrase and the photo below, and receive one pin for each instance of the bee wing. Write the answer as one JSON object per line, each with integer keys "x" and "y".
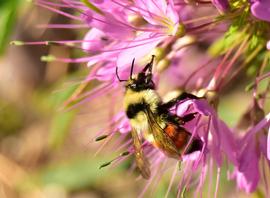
{"x": 163, "y": 141}
{"x": 141, "y": 160}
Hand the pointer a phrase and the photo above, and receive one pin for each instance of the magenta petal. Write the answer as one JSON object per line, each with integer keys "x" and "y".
{"x": 110, "y": 25}
{"x": 244, "y": 157}
{"x": 172, "y": 13}
{"x": 124, "y": 126}
{"x": 192, "y": 157}
{"x": 261, "y": 10}
{"x": 152, "y": 10}
{"x": 222, "y": 5}
{"x": 216, "y": 142}
{"x": 268, "y": 144}
{"x": 182, "y": 108}
{"x": 101, "y": 57}
{"x": 248, "y": 172}
{"x": 263, "y": 123}
{"x": 263, "y": 144}
{"x": 156, "y": 12}
{"x": 248, "y": 180}
{"x": 228, "y": 144}
{"x": 139, "y": 48}
{"x": 98, "y": 1}
{"x": 203, "y": 107}
{"x": 94, "y": 40}
{"x": 105, "y": 73}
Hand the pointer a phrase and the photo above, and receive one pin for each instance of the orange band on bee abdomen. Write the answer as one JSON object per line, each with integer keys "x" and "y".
{"x": 178, "y": 135}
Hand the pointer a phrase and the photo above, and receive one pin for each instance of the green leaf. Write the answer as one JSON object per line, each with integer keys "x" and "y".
{"x": 11, "y": 118}
{"x": 75, "y": 174}
{"x": 92, "y": 6}
{"x": 231, "y": 39}
{"x": 60, "y": 126}
{"x": 8, "y": 10}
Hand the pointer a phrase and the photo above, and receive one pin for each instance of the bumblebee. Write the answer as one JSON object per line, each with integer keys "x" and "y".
{"x": 152, "y": 119}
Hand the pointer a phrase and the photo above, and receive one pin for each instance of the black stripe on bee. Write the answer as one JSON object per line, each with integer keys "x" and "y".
{"x": 196, "y": 145}
{"x": 134, "y": 109}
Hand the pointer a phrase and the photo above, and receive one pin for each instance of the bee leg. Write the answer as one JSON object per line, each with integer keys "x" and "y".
{"x": 179, "y": 98}
{"x": 186, "y": 95}
{"x": 188, "y": 117}
{"x": 149, "y": 65}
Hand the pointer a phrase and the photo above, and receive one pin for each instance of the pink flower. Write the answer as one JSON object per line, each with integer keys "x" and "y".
{"x": 261, "y": 9}
{"x": 222, "y": 5}
{"x": 247, "y": 173}
{"x": 252, "y": 147}
{"x": 220, "y": 138}
{"x": 268, "y": 145}
{"x": 114, "y": 34}
{"x": 95, "y": 40}
{"x": 163, "y": 22}
{"x": 219, "y": 142}
{"x": 115, "y": 26}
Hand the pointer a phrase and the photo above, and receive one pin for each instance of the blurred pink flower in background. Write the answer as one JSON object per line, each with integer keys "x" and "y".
{"x": 261, "y": 9}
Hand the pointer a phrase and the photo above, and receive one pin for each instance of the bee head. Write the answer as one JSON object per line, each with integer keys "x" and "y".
{"x": 142, "y": 80}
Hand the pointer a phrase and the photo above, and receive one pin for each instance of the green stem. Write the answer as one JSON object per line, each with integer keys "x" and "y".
{"x": 92, "y": 6}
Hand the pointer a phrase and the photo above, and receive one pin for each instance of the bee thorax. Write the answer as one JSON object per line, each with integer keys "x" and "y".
{"x": 135, "y": 104}
{"x": 139, "y": 121}
{"x": 138, "y": 101}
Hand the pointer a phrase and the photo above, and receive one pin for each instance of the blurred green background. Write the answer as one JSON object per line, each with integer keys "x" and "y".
{"x": 49, "y": 152}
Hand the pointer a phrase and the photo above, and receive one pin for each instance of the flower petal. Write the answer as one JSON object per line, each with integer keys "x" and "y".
{"x": 109, "y": 24}
{"x": 141, "y": 46}
{"x": 261, "y": 10}
{"x": 152, "y": 10}
{"x": 268, "y": 144}
{"x": 247, "y": 174}
{"x": 124, "y": 126}
{"x": 222, "y": 5}
{"x": 94, "y": 40}
{"x": 203, "y": 107}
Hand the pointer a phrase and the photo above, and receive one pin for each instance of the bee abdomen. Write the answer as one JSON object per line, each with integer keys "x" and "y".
{"x": 134, "y": 109}
{"x": 180, "y": 137}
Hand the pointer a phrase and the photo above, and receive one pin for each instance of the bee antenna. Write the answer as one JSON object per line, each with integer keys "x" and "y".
{"x": 149, "y": 65}
{"x": 116, "y": 71}
{"x": 131, "y": 70}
